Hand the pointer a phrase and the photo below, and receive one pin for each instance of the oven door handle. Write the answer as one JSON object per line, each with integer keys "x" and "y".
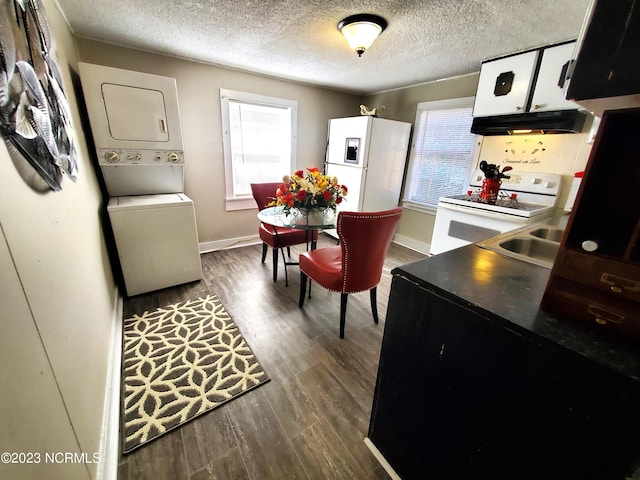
{"x": 483, "y": 213}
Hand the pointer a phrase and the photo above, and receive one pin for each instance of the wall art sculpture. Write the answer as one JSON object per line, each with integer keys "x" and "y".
{"x": 35, "y": 119}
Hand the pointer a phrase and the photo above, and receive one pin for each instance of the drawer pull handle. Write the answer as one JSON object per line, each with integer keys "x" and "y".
{"x": 604, "y": 316}
{"x": 619, "y": 284}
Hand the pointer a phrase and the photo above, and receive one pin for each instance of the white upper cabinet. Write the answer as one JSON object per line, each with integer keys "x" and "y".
{"x": 549, "y": 90}
{"x": 506, "y": 85}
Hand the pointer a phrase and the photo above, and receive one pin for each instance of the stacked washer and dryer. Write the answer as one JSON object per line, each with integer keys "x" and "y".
{"x": 135, "y": 122}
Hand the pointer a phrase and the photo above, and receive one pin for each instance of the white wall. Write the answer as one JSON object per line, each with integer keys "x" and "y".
{"x": 563, "y": 154}
{"x": 57, "y": 309}
{"x": 198, "y": 87}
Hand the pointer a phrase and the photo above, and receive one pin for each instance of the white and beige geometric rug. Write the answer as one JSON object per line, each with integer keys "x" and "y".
{"x": 179, "y": 362}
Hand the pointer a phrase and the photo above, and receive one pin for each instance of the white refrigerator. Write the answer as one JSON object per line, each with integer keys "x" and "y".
{"x": 368, "y": 155}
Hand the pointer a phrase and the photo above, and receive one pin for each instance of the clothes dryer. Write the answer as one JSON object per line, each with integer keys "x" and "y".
{"x": 135, "y": 123}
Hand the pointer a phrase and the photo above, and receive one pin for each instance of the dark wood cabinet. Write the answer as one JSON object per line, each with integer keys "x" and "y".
{"x": 607, "y": 62}
{"x": 596, "y": 275}
{"x": 460, "y": 395}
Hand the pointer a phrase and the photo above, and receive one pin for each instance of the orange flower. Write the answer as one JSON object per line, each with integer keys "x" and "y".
{"x": 312, "y": 189}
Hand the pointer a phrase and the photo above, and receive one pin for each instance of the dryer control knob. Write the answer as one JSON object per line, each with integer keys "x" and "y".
{"x": 173, "y": 157}
{"x": 112, "y": 157}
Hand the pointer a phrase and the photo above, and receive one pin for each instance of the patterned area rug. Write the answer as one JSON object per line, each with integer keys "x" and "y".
{"x": 180, "y": 362}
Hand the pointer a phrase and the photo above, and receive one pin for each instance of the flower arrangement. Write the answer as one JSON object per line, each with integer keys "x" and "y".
{"x": 309, "y": 190}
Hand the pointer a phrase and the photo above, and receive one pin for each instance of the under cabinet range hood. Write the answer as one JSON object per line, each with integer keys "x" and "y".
{"x": 525, "y": 93}
{"x": 561, "y": 121}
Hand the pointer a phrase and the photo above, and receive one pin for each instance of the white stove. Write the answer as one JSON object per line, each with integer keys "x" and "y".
{"x": 507, "y": 207}
{"x": 524, "y": 198}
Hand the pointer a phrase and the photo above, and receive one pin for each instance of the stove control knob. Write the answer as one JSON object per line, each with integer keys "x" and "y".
{"x": 173, "y": 157}
{"x": 112, "y": 157}
{"x": 535, "y": 181}
{"x": 548, "y": 185}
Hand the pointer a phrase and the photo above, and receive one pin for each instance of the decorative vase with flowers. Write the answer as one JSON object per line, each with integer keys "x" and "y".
{"x": 309, "y": 197}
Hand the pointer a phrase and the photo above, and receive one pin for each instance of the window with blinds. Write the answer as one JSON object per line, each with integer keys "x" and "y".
{"x": 258, "y": 141}
{"x": 443, "y": 152}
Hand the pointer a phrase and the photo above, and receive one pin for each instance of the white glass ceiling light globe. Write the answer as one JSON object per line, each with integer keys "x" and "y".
{"x": 361, "y": 30}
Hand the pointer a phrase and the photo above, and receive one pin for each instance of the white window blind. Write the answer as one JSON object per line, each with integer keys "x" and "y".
{"x": 259, "y": 143}
{"x": 443, "y": 151}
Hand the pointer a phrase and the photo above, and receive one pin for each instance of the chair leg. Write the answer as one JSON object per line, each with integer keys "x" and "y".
{"x": 303, "y": 288}
{"x": 289, "y": 252}
{"x": 265, "y": 247}
{"x": 284, "y": 264}
{"x": 343, "y": 312}
{"x": 275, "y": 264}
{"x": 374, "y": 304}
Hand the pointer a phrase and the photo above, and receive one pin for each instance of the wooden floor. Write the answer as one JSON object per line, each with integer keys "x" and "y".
{"x": 310, "y": 420}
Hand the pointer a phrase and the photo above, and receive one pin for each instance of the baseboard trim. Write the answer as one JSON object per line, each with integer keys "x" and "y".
{"x": 110, "y": 441}
{"x": 413, "y": 244}
{"x": 229, "y": 243}
{"x": 383, "y": 462}
{"x": 408, "y": 242}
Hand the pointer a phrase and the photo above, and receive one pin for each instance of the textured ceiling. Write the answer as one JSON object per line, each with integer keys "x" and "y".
{"x": 298, "y": 39}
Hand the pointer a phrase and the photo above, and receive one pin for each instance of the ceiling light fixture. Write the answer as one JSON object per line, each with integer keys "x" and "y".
{"x": 361, "y": 30}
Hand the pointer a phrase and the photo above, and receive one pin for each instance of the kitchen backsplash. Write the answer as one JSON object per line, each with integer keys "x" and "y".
{"x": 564, "y": 154}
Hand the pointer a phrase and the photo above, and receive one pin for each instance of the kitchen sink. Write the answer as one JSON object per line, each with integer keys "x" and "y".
{"x": 552, "y": 234}
{"x": 532, "y": 247}
{"x": 533, "y": 244}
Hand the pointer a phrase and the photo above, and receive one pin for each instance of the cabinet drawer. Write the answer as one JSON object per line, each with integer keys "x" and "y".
{"x": 604, "y": 312}
{"x": 607, "y": 275}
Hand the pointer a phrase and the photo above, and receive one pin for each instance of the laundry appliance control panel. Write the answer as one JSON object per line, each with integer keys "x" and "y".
{"x": 109, "y": 156}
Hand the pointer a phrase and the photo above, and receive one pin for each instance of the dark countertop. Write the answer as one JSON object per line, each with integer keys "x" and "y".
{"x": 509, "y": 292}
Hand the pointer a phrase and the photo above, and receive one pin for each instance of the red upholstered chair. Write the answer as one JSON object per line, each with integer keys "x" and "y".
{"x": 355, "y": 265}
{"x": 276, "y": 237}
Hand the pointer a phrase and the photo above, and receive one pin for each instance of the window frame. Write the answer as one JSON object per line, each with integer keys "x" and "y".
{"x": 235, "y": 201}
{"x": 447, "y": 104}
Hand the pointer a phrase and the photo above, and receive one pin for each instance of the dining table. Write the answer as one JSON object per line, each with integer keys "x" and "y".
{"x": 278, "y": 218}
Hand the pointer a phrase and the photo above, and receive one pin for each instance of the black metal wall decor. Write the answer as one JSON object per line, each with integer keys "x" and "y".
{"x": 35, "y": 119}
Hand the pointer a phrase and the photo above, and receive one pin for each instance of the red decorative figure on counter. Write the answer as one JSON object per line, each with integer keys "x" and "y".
{"x": 491, "y": 183}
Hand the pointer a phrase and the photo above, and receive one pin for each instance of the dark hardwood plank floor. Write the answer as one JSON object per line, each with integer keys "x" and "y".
{"x": 310, "y": 420}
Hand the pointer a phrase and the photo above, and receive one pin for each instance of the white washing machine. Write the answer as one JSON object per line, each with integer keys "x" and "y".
{"x": 157, "y": 240}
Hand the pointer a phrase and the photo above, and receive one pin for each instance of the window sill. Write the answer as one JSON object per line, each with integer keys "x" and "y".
{"x": 247, "y": 203}
{"x": 418, "y": 207}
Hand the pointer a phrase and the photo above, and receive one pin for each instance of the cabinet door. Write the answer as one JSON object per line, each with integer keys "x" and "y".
{"x": 607, "y": 64}
{"x": 461, "y": 396}
{"x": 607, "y": 214}
{"x": 504, "y": 85}
{"x": 549, "y": 89}
{"x": 455, "y": 397}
